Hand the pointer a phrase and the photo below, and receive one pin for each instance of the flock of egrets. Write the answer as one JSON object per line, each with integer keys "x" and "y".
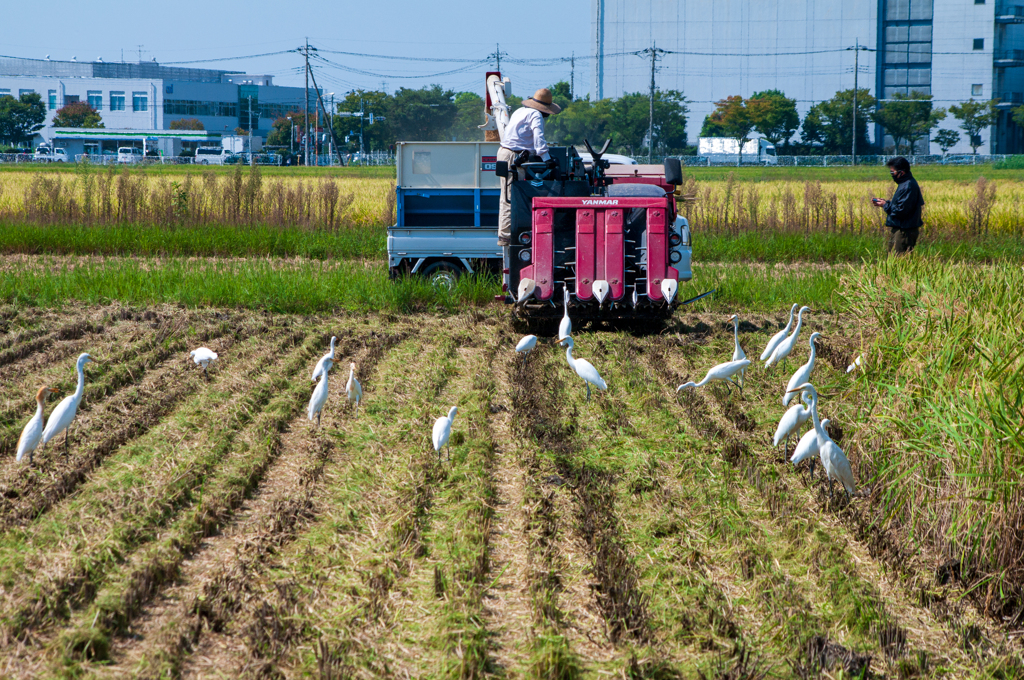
{"x": 815, "y": 442}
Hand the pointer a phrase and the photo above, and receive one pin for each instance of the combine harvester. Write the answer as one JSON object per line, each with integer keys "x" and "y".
{"x": 610, "y": 235}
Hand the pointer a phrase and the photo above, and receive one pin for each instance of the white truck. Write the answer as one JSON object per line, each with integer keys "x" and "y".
{"x": 49, "y": 154}
{"x": 212, "y": 155}
{"x": 726, "y": 151}
{"x": 240, "y": 143}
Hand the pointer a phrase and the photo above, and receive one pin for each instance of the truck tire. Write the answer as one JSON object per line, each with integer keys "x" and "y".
{"x": 442, "y": 274}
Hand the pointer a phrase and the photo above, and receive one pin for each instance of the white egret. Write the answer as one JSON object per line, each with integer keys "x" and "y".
{"x": 319, "y": 369}
{"x": 443, "y": 431}
{"x": 854, "y": 365}
{"x": 724, "y": 372}
{"x": 807, "y": 447}
{"x": 526, "y": 290}
{"x": 353, "y": 390}
{"x": 669, "y": 288}
{"x": 565, "y": 325}
{"x": 203, "y": 356}
{"x": 319, "y": 398}
{"x": 600, "y": 289}
{"x": 791, "y": 422}
{"x": 584, "y": 369}
{"x": 33, "y": 431}
{"x": 835, "y": 462}
{"x": 61, "y": 417}
{"x": 802, "y": 374}
{"x": 737, "y": 353}
{"x": 779, "y": 337}
{"x": 527, "y": 345}
{"x": 786, "y": 346}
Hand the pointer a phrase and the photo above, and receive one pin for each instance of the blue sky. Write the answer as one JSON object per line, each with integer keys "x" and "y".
{"x": 188, "y": 30}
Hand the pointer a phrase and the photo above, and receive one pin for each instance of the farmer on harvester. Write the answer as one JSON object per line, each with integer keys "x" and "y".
{"x": 524, "y": 138}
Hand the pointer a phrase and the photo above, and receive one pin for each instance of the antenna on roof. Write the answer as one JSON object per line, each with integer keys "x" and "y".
{"x": 99, "y": 59}
{"x": 74, "y": 58}
{"x": 47, "y": 57}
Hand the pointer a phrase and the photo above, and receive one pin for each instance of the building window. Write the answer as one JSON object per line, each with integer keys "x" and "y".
{"x": 51, "y": 98}
{"x": 979, "y": 43}
{"x": 95, "y": 99}
{"x": 117, "y": 101}
{"x": 5, "y": 91}
{"x": 976, "y": 90}
{"x": 140, "y": 101}
{"x": 71, "y": 99}
{"x": 22, "y": 93}
{"x": 979, "y": 2}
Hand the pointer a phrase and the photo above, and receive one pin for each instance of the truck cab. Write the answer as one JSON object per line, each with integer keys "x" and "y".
{"x": 50, "y": 154}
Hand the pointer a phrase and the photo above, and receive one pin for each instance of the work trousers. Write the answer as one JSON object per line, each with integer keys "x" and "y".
{"x": 902, "y": 241}
{"x": 505, "y": 204}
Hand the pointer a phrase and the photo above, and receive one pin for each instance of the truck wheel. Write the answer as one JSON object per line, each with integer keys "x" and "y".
{"x": 442, "y": 274}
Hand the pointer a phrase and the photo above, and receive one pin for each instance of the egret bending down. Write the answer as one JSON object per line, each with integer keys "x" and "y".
{"x": 353, "y": 390}
{"x": 443, "y": 431}
{"x": 203, "y": 356}
{"x": 835, "y": 462}
{"x": 791, "y": 422}
{"x": 33, "y": 431}
{"x": 786, "y": 346}
{"x": 565, "y": 325}
{"x": 807, "y": 447}
{"x": 724, "y": 372}
{"x": 319, "y": 398}
{"x": 526, "y": 345}
{"x": 738, "y": 354}
{"x": 584, "y": 369}
{"x": 61, "y": 418}
{"x": 779, "y": 337}
{"x": 802, "y": 374}
{"x": 319, "y": 369}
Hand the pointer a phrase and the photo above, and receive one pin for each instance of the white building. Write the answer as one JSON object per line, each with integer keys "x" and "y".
{"x": 138, "y": 102}
{"x": 951, "y": 49}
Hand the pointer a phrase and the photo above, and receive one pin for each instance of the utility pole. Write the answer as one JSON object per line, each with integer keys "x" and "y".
{"x": 361, "y": 114}
{"x": 497, "y": 55}
{"x": 856, "y": 71}
{"x": 306, "y": 103}
{"x": 252, "y": 161}
{"x": 572, "y": 77}
{"x": 655, "y": 53}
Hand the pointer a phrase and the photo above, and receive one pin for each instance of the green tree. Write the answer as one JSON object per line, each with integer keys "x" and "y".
{"x": 282, "y": 130}
{"x": 581, "y": 120}
{"x": 908, "y": 118}
{"x": 422, "y": 115}
{"x": 830, "y": 123}
{"x": 376, "y": 137}
{"x": 774, "y": 115}
{"x": 465, "y": 127}
{"x": 732, "y": 117}
{"x": 946, "y": 139}
{"x": 187, "y": 124}
{"x": 975, "y": 117}
{"x": 630, "y": 120}
{"x": 1017, "y": 115}
{"x": 21, "y": 118}
{"x": 77, "y": 115}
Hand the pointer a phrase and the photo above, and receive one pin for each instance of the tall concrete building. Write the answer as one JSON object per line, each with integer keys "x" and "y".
{"x": 138, "y": 102}
{"x": 954, "y": 50}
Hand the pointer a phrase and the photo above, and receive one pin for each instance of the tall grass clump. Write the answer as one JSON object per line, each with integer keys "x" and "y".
{"x": 942, "y": 414}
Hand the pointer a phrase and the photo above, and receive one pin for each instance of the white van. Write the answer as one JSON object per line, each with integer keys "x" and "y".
{"x": 128, "y": 154}
{"x": 212, "y": 155}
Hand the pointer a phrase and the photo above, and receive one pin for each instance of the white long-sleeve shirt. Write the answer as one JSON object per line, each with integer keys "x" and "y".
{"x": 525, "y": 130}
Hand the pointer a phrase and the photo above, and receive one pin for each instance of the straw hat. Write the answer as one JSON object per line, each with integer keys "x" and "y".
{"x": 542, "y": 101}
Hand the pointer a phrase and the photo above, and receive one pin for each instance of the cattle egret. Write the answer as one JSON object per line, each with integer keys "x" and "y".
{"x": 724, "y": 372}
{"x": 669, "y": 288}
{"x": 835, "y": 462}
{"x": 600, "y": 289}
{"x": 737, "y": 353}
{"x": 526, "y": 290}
{"x": 854, "y": 365}
{"x": 584, "y": 369}
{"x": 353, "y": 390}
{"x": 807, "y": 447}
{"x": 203, "y": 356}
{"x": 527, "y": 345}
{"x": 33, "y": 431}
{"x": 791, "y": 422}
{"x": 61, "y": 418}
{"x": 786, "y": 346}
{"x": 319, "y": 369}
{"x": 319, "y": 398}
{"x": 779, "y": 337}
{"x": 443, "y": 431}
{"x": 802, "y": 374}
{"x": 565, "y": 325}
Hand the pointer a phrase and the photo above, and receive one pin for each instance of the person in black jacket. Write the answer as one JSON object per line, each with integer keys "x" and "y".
{"x": 903, "y": 210}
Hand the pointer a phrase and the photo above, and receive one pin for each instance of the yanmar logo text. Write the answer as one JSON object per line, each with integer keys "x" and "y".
{"x": 600, "y": 201}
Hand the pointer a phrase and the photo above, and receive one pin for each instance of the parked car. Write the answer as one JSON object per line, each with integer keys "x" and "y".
{"x": 213, "y": 155}
{"x": 48, "y": 154}
{"x": 613, "y": 158}
{"x": 128, "y": 154}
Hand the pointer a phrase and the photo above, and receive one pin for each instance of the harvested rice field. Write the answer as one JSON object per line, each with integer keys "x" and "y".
{"x": 205, "y": 528}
